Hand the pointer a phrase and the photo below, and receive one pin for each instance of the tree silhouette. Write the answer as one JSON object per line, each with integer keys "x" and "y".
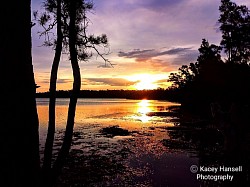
{"x": 183, "y": 77}
{"x": 194, "y": 81}
{"x": 209, "y": 61}
{"x": 187, "y": 74}
{"x": 208, "y": 53}
{"x": 210, "y": 79}
{"x": 235, "y": 28}
{"x": 72, "y": 22}
{"x": 56, "y": 9}
{"x": 76, "y": 88}
{"x": 19, "y": 139}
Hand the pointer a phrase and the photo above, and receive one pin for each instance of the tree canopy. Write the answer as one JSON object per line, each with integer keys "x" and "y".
{"x": 212, "y": 79}
{"x": 235, "y": 27}
{"x": 86, "y": 44}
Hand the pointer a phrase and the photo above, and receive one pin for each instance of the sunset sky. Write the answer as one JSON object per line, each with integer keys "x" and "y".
{"x": 148, "y": 39}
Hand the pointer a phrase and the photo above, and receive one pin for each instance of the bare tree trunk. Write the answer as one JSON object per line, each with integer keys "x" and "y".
{"x": 19, "y": 139}
{"x": 63, "y": 153}
{"x": 52, "y": 101}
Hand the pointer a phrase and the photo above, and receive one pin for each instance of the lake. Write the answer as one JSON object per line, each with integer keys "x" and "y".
{"x": 129, "y": 114}
{"x": 154, "y": 153}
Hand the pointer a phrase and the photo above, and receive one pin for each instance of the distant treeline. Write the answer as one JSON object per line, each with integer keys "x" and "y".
{"x": 159, "y": 94}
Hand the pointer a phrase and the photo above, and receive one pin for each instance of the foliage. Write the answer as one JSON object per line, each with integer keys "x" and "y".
{"x": 184, "y": 76}
{"x": 187, "y": 74}
{"x": 85, "y": 43}
{"x": 235, "y": 28}
{"x": 69, "y": 20}
{"x": 208, "y": 53}
{"x": 210, "y": 79}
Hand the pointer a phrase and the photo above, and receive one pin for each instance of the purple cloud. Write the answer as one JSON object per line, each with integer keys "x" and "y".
{"x": 143, "y": 55}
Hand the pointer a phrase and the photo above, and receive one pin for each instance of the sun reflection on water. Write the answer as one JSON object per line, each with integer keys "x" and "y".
{"x": 142, "y": 110}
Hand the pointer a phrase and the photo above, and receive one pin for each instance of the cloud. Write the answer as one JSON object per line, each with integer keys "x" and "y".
{"x": 105, "y": 66}
{"x": 161, "y": 81}
{"x": 109, "y": 81}
{"x": 147, "y": 54}
{"x": 132, "y": 5}
{"x": 157, "y": 5}
{"x": 138, "y": 54}
{"x": 185, "y": 58}
{"x": 176, "y": 51}
{"x": 62, "y": 81}
{"x": 143, "y": 25}
{"x": 59, "y": 81}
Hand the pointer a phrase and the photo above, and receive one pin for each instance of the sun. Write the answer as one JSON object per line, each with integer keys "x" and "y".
{"x": 145, "y": 85}
{"x": 144, "y": 81}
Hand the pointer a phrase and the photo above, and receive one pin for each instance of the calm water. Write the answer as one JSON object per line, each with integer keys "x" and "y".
{"x": 157, "y": 152}
{"x": 147, "y": 162}
{"x": 131, "y": 114}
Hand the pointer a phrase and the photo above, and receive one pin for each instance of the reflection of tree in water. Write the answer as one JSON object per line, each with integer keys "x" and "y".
{"x": 95, "y": 159}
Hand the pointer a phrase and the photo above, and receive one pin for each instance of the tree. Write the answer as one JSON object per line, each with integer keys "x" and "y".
{"x": 19, "y": 120}
{"x": 55, "y": 7}
{"x": 183, "y": 77}
{"x": 200, "y": 82}
{"x": 207, "y": 62}
{"x": 208, "y": 53}
{"x": 209, "y": 79}
{"x": 72, "y": 22}
{"x": 235, "y": 28}
{"x": 76, "y": 87}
